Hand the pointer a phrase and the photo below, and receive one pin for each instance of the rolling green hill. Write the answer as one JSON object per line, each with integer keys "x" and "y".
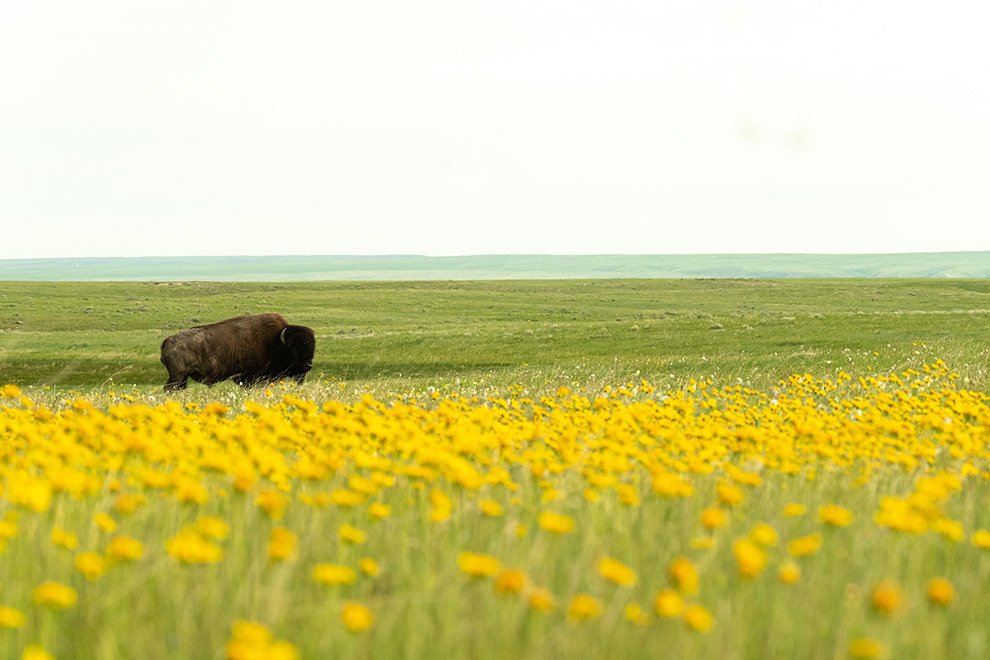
{"x": 487, "y": 267}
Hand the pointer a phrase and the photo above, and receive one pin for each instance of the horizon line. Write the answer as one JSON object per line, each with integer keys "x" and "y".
{"x": 498, "y": 254}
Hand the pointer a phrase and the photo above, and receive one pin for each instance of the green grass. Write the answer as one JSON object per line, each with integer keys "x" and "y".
{"x": 424, "y": 606}
{"x": 520, "y": 340}
{"x": 85, "y": 335}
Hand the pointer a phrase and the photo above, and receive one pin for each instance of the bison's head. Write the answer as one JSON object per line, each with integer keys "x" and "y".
{"x": 297, "y": 344}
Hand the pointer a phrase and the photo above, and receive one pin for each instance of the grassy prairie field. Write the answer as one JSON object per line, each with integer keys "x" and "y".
{"x": 580, "y": 469}
{"x": 85, "y": 335}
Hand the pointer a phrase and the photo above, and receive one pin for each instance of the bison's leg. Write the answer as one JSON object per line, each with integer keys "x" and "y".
{"x": 299, "y": 378}
{"x": 245, "y": 380}
{"x": 175, "y": 383}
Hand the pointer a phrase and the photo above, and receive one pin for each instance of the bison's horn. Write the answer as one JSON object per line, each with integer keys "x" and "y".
{"x": 281, "y": 335}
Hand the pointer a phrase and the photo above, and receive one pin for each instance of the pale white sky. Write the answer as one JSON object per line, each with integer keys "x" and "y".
{"x": 132, "y": 128}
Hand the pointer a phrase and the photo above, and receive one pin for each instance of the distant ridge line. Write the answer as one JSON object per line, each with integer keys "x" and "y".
{"x": 973, "y": 264}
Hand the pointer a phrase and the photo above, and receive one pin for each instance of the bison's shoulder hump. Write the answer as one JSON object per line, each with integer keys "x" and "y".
{"x": 272, "y": 319}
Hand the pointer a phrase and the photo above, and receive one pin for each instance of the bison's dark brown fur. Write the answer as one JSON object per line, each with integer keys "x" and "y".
{"x": 249, "y": 349}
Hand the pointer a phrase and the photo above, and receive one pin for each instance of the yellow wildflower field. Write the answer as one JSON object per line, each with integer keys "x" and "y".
{"x": 820, "y": 519}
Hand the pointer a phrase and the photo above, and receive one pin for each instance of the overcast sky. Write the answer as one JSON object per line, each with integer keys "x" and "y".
{"x": 133, "y": 128}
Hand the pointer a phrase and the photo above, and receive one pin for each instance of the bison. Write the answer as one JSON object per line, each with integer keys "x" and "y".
{"x": 248, "y": 349}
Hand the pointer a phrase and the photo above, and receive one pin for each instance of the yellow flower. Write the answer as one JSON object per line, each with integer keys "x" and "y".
{"x": 583, "y": 607}
{"x": 981, "y": 539}
{"x": 684, "y": 575}
{"x": 887, "y": 597}
{"x": 835, "y": 515}
{"x": 345, "y": 497}
{"x": 252, "y": 641}
{"x": 282, "y": 544}
{"x": 190, "y": 491}
{"x": 8, "y": 529}
{"x": 334, "y": 574}
{"x": 950, "y": 529}
{"x": 379, "y": 511}
{"x": 750, "y": 557}
{"x": 491, "y": 508}
{"x": 714, "y": 517}
{"x": 28, "y": 491}
{"x": 669, "y": 603}
{"x": 356, "y": 617}
{"x": 729, "y": 494}
{"x": 510, "y": 581}
{"x": 105, "y": 522}
{"x": 11, "y": 618}
{"x": 129, "y": 503}
{"x": 635, "y": 614}
{"x": 794, "y": 510}
{"x": 212, "y": 527}
{"x": 63, "y": 538}
{"x": 441, "y": 504}
{"x": 244, "y": 479}
{"x": 616, "y": 571}
{"x": 369, "y": 566}
{"x": 557, "y": 523}
{"x": 215, "y": 408}
{"x": 191, "y": 548}
{"x": 36, "y": 652}
{"x": 805, "y": 545}
{"x": 273, "y": 502}
{"x": 477, "y": 565}
{"x": 361, "y": 485}
{"x": 55, "y": 595}
{"x": 940, "y": 591}
{"x": 251, "y": 633}
{"x": 124, "y": 547}
{"x": 789, "y": 573}
{"x": 628, "y": 494}
{"x": 349, "y": 534}
{"x": 91, "y": 565}
{"x": 10, "y": 392}
{"x": 740, "y": 476}
{"x": 542, "y": 600}
{"x": 668, "y": 484}
{"x": 698, "y": 618}
{"x": 864, "y": 647}
{"x": 763, "y": 534}
{"x": 901, "y": 515}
